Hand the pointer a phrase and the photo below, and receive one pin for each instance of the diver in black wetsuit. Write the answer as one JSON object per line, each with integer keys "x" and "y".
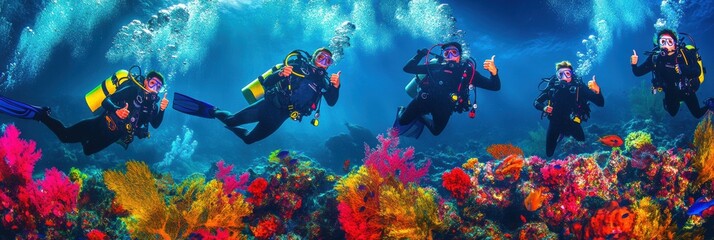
{"x": 676, "y": 73}
{"x": 286, "y": 96}
{"x": 127, "y": 113}
{"x": 439, "y": 92}
{"x": 565, "y": 101}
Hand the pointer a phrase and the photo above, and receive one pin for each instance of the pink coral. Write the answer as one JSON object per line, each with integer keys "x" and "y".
{"x": 57, "y": 194}
{"x": 230, "y": 182}
{"x": 554, "y": 172}
{"x": 385, "y": 159}
{"x": 19, "y": 156}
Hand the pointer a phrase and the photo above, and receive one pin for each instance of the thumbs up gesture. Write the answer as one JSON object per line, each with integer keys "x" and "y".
{"x": 335, "y": 79}
{"x": 287, "y": 70}
{"x": 593, "y": 86}
{"x": 633, "y": 58}
{"x": 490, "y": 65}
{"x": 164, "y": 103}
{"x": 122, "y": 113}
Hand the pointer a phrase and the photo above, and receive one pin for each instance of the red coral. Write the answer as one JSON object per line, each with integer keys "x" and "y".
{"x": 257, "y": 189}
{"x": 386, "y": 160}
{"x": 356, "y": 224}
{"x": 457, "y": 182}
{"x": 613, "y": 222}
{"x": 96, "y": 235}
{"x": 267, "y": 227}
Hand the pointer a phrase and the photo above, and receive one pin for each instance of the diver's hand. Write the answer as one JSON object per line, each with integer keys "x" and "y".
{"x": 593, "y": 86}
{"x": 287, "y": 70}
{"x": 548, "y": 109}
{"x": 633, "y": 58}
{"x": 335, "y": 79}
{"x": 122, "y": 113}
{"x": 490, "y": 65}
{"x": 164, "y": 103}
{"x": 422, "y": 52}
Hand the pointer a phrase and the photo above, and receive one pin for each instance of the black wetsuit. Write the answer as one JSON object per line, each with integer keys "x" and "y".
{"x": 283, "y": 96}
{"x": 666, "y": 76}
{"x": 434, "y": 96}
{"x": 99, "y": 132}
{"x": 568, "y": 100}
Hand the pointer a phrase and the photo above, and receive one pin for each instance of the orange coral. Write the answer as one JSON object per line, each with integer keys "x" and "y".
{"x": 511, "y": 166}
{"x": 535, "y": 199}
{"x": 704, "y": 144}
{"x": 612, "y": 221}
{"x": 500, "y": 151}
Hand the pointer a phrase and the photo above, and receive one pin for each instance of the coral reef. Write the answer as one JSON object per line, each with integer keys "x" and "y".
{"x": 704, "y": 145}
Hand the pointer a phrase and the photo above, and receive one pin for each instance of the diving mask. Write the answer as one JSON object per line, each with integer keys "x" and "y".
{"x": 451, "y": 53}
{"x": 154, "y": 84}
{"x": 324, "y": 59}
{"x": 667, "y": 44}
{"x": 565, "y": 74}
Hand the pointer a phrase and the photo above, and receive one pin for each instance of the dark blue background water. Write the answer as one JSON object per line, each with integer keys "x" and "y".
{"x": 527, "y": 39}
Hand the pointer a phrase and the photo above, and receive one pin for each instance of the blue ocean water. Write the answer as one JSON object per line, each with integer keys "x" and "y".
{"x": 54, "y": 52}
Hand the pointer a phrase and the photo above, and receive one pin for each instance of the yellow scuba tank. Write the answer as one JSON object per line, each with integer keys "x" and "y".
{"x": 95, "y": 97}
{"x": 254, "y": 91}
{"x": 699, "y": 61}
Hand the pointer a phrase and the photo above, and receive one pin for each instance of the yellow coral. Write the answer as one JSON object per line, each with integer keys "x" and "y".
{"x": 470, "y": 164}
{"x": 637, "y": 139}
{"x": 194, "y": 205}
{"x": 77, "y": 176}
{"x": 136, "y": 191}
{"x": 704, "y": 143}
{"x": 410, "y": 213}
{"x": 651, "y": 221}
{"x": 360, "y": 190}
{"x": 213, "y": 210}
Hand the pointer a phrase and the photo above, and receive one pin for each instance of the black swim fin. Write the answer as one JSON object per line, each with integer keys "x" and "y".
{"x": 19, "y": 109}
{"x": 412, "y": 129}
{"x": 191, "y": 106}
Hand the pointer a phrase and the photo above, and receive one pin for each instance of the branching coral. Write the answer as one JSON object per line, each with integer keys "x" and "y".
{"x": 500, "y": 151}
{"x": 410, "y": 211}
{"x": 137, "y": 192}
{"x": 385, "y": 159}
{"x": 358, "y": 194}
{"x": 195, "y": 206}
{"x": 704, "y": 144}
{"x": 652, "y": 221}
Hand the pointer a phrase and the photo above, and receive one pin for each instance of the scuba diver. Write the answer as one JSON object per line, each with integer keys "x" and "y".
{"x": 440, "y": 88}
{"x": 292, "y": 90}
{"x": 128, "y": 108}
{"x": 677, "y": 71}
{"x": 565, "y": 102}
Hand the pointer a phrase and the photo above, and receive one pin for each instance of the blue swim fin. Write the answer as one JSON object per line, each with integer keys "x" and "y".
{"x": 412, "y": 129}
{"x": 19, "y": 109}
{"x": 191, "y": 106}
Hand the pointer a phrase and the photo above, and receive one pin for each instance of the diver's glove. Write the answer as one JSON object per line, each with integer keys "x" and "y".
{"x": 422, "y": 52}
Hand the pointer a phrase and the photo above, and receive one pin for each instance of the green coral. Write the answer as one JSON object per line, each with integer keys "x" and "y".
{"x": 273, "y": 158}
{"x": 636, "y": 140}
